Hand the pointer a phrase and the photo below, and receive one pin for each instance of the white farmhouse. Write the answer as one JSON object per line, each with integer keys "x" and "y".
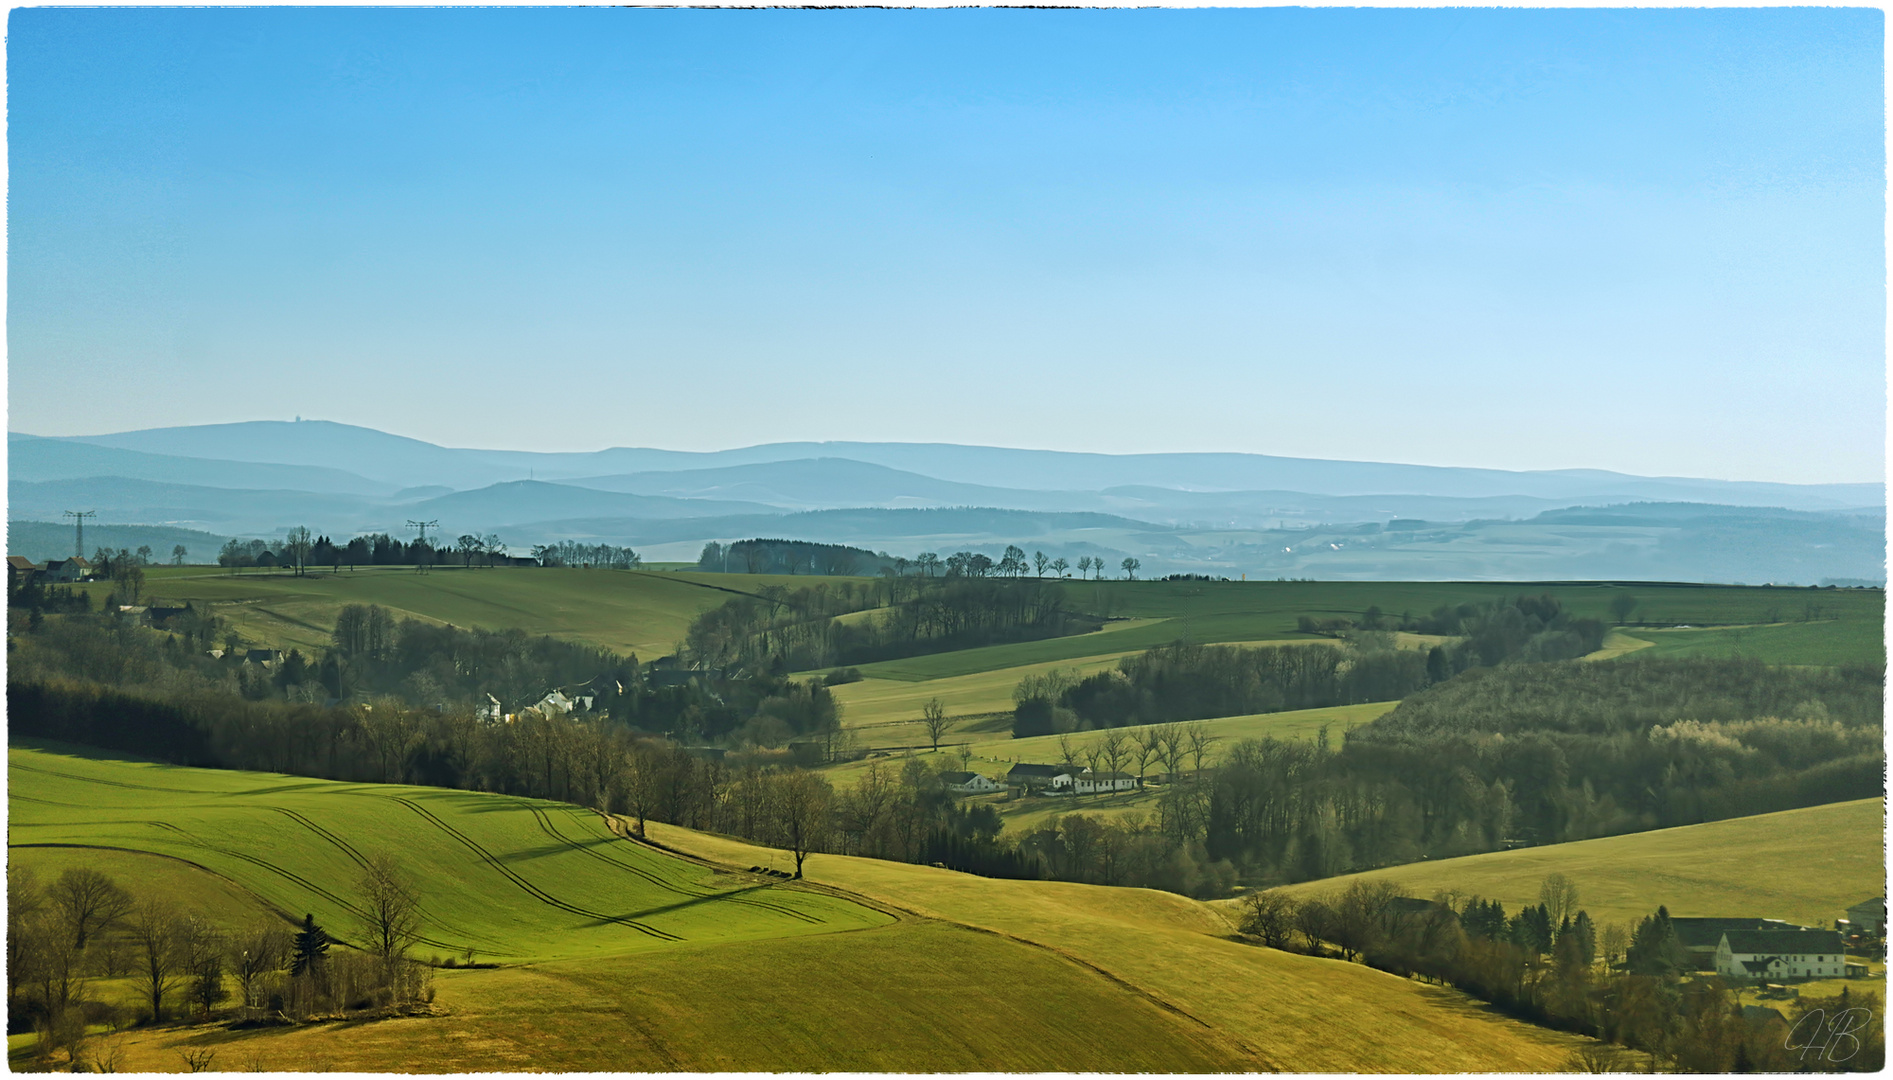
{"x": 968, "y": 783}
{"x": 1781, "y": 954}
{"x": 1093, "y": 783}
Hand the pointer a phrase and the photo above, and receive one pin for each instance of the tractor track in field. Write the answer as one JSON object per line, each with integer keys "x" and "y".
{"x": 545, "y": 824}
{"x": 107, "y": 783}
{"x": 345, "y": 905}
{"x": 533, "y": 890}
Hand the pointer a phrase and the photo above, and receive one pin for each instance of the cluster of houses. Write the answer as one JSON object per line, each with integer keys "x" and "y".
{"x": 21, "y": 571}
{"x": 557, "y": 702}
{"x": 1771, "y": 950}
{"x": 1025, "y": 779}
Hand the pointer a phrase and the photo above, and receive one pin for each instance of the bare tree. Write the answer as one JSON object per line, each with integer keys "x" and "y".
{"x": 1170, "y": 742}
{"x": 155, "y": 970}
{"x": 296, "y": 547}
{"x": 1559, "y": 894}
{"x": 1149, "y": 747}
{"x": 1084, "y": 566}
{"x": 88, "y": 902}
{"x": 1198, "y": 737}
{"x": 391, "y": 911}
{"x": 1060, "y": 565}
{"x": 1114, "y": 749}
{"x": 199, "y": 950}
{"x": 933, "y": 715}
{"x": 802, "y": 814}
{"x": 1269, "y": 915}
{"x": 258, "y": 952}
{"x": 1041, "y": 561}
{"x": 1130, "y": 566}
{"x": 178, "y": 553}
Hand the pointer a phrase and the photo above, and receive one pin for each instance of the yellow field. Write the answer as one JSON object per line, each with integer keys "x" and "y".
{"x": 911, "y": 997}
{"x": 1286, "y": 1012}
{"x": 1804, "y": 866}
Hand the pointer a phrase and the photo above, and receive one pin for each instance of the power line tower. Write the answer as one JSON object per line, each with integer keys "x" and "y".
{"x": 420, "y": 567}
{"x": 78, "y": 537}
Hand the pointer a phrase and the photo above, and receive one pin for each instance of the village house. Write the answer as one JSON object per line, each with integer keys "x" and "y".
{"x": 1090, "y": 783}
{"x": 20, "y": 572}
{"x": 67, "y": 571}
{"x": 1868, "y": 915}
{"x": 1766, "y": 955}
{"x": 1043, "y": 779}
{"x": 968, "y": 783}
{"x": 1701, "y": 937}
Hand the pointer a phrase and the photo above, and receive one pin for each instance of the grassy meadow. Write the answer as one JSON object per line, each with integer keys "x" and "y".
{"x": 529, "y": 880}
{"x": 623, "y": 957}
{"x": 1805, "y": 866}
{"x": 630, "y": 611}
{"x": 647, "y": 612}
{"x": 1284, "y": 1011}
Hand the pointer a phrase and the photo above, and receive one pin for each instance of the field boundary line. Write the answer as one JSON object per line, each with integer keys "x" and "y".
{"x": 1261, "y": 1061}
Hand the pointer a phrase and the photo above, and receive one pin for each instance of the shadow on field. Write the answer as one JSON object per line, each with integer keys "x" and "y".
{"x": 733, "y": 894}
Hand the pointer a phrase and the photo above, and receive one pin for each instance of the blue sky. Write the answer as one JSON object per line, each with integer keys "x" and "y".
{"x": 1650, "y": 241}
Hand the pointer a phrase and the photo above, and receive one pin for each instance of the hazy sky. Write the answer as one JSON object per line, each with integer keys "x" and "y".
{"x": 1650, "y": 241}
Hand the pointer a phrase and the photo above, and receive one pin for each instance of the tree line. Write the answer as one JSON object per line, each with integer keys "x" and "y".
{"x": 65, "y": 935}
{"x": 1550, "y": 964}
{"x": 786, "y": 630}
{"x": 760, "y": 556}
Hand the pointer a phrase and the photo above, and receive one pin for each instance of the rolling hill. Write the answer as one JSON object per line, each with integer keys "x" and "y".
{"x": 641, "y": 959}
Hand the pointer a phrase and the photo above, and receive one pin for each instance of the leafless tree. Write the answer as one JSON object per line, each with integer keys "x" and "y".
{"x": 1060, "y": 565}
{"x": 296, "y": 548}
{"x": 1270, "y": 915}
{"x": 1198, "y": 737}
{"x": 1148, "y": 745}
{"x": 391, "y": 920}
{"x": 933, "y": 715}
{"x": 88, "y": 902}
{"x": 261, "y": 950}
{"x": 199, "y": 951}
{"x": 1130, "y": 566}
{"x": 1115, "y": 748}
{"x": 1559, "y": 894}
{"x": 155, "y": 969}
{"x": 802, "y": 803}
{"x": 26, "y": 902}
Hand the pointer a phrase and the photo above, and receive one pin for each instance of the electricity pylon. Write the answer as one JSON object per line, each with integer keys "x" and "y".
{"x": 78, "y": 537}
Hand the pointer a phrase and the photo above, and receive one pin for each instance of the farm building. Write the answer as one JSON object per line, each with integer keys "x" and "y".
{"x": 66, "y": 571}
{"x": 1701, "y": 937}
{"x": 968, "y": 783}
{"x": 1761, "y": 955}
{"x": 1090, "y": 783}
{"x": 20, "y": 572}
{"x": 1869, "y": 915}
{"x": 1054, "y": 779}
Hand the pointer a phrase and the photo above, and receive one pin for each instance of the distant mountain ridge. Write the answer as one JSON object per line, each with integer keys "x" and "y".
{"x": 405, "y": 462}
{"x": 1200, "y": 513}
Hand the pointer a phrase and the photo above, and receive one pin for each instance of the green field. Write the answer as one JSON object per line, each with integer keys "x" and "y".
{"x": 1803, "y": 865}
{"x": 625, "y": 610}
{"x": 992, "y": 751}
{"x": 647, "y": 612}
{"x": 1824, "y": 642}
{"x": 639, "y": 960}
{"x": 508, "y": 878}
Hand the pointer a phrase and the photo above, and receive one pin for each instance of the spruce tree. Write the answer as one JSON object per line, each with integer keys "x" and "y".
{"x": 312, "y": 947}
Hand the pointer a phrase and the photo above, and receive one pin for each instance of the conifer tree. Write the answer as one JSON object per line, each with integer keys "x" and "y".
{"x": 312, "y": 947}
